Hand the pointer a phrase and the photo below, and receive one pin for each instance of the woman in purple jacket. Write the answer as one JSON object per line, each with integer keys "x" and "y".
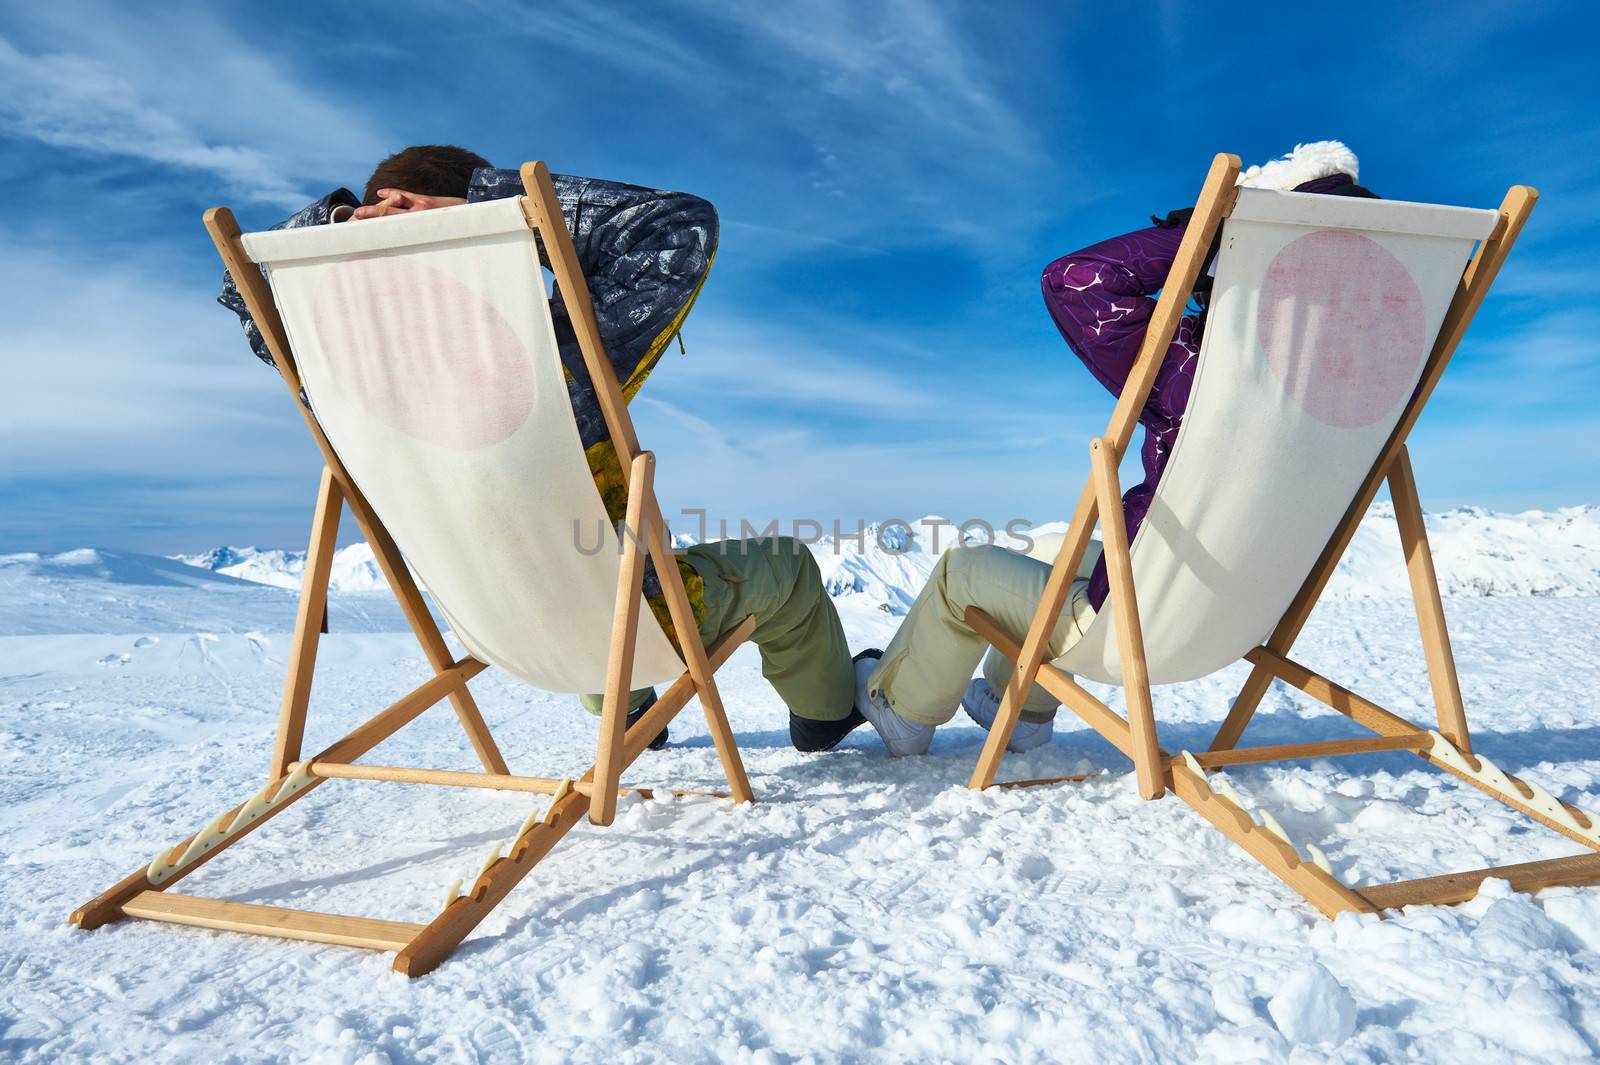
{"x": 1101, "y": 299}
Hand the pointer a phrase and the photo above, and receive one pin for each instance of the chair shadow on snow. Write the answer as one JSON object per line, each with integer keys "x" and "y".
{"x": 460, "y": 847}
{"x": 571, "y": 906}
{"x": 1075, "y": 744}
{"x": 859, "y": 762}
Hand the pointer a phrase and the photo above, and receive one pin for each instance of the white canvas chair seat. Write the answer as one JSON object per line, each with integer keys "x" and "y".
{"x": 1332, "y": 320}
{"x": 1323, "y": 312}
{"x": 426, "y": 346}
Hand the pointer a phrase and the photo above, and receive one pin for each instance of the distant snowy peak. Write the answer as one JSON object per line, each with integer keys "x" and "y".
{"x": 354, "y": 568}
{"x": 116, "y": 567}
{"x": 219, "y": 558}
{"x": 884, "y": 564}
{"x": 1478, "y": 552}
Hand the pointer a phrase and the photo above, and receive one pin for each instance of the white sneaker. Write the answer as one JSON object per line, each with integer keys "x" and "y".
{"x": 982, "y": 703}
{"x": 902, "y": 737}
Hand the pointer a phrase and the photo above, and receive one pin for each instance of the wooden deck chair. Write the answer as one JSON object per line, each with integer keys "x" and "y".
{"x": 1331, "y": 321}
{"x": 426, "y": 348}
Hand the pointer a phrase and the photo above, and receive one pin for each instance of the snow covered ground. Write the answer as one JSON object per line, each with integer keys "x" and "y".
{"x": 863, "y": 909}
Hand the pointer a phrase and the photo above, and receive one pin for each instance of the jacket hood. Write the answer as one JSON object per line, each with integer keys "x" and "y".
{"x": 1307, "y": 162}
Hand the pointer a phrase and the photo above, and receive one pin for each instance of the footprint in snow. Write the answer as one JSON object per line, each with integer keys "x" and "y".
{"x": 497, "y": 1043}
{"x": 124, "y": 658}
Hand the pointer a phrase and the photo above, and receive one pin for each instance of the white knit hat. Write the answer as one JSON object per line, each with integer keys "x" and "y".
{"x": 1307, "y": 162}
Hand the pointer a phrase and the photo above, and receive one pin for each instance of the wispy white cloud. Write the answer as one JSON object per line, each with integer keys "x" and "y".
{"x": 110, "y": 371}
{"x": 1514, "y": 423}
{"x": 777, "y": 240}
{"x": 1546, "y": 273}
{"x": 174, "y": 87}
{"x": 710, "y": 442}
{"x": 766, "y": 420}
{"x": 136, "y": 415}
{"x": 873, "y": 123}
{"x": 779, "y": 366}
{"x": 638, "y": 41}
{"x": 911, "y": 63}
{"x": 1545, "y": 360}
{"x": 68, "y": 101}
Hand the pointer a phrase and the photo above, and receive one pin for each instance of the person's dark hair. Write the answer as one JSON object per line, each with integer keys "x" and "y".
{"x": 428, "y": 169}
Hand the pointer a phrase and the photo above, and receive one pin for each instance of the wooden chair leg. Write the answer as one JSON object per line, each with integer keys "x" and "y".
{"x": 624, "y": 636}
{"x": 1272, "y": 849}
{"x": 1242, "y": 710}
{"x": 310, "y": 623}
{"x": 1036, "y": 642}
{"x": 421, "y": 947}
{"x": 1096, "y": 714}
{"x": 1430, "y": 607}
{"x": 1001, "y": 728}
{"x": 722, "y": 733}
{"x": 1125, "y": 612}
{"x": 694, "y": 652}
{"x": 1459, "y": 887}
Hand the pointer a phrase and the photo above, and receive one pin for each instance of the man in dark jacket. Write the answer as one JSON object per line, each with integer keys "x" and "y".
{"x": 644, "y": 254}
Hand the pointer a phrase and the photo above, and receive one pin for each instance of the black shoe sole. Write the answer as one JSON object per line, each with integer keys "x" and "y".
{"x": 813, "y": 737}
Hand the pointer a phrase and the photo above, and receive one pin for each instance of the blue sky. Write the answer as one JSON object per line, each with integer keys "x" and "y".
{"x": 891, "y": 178}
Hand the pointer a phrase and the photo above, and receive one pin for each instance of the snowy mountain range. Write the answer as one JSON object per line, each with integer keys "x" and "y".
{"x": 241, "y": 589}
{"x": 354, "y": 569}
{"x": 1477, "y": 552}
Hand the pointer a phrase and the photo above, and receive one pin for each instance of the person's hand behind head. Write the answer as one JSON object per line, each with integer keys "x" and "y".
{"x": 399, "y": 201}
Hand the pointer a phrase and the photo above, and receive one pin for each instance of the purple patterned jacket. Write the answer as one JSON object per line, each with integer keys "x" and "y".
{"x": 1101, "y": 300}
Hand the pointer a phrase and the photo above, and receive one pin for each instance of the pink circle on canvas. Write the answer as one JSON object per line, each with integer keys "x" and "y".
{"x": 1342, "y": 323}
{"x": 424, "y": 353}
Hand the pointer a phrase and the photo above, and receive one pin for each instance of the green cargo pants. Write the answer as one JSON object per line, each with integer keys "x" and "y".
{"x": 804, "y": 655}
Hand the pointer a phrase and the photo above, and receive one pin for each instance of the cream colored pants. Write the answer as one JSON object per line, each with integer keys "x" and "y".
{"x": 929, "y": 662}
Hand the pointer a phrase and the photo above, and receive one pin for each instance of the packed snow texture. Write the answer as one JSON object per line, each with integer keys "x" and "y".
{"x": 864, "y": 909}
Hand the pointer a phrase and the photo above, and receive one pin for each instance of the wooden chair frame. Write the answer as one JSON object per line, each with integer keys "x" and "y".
{"x": 422, "y": 947}
{"x": 1449, "y": 748}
